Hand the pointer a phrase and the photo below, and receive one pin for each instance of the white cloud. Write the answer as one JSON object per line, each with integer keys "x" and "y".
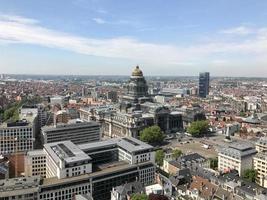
{"x": 240, "y": 30}
{"x": 18, "y": 19}
{"x": 17, "y": 29}
{"x": 99, "y": 20}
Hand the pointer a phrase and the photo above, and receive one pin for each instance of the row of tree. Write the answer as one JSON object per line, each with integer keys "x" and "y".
{"x": 154, "y": 135}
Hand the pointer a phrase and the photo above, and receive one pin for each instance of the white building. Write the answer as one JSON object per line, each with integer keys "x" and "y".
{"x": 19, "y": 136}
{"x": 88, "y": 169}
{"x": 238, "y": 156}
{"x": 65, "y": 159}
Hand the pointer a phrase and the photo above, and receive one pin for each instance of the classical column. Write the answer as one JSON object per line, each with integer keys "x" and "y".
{"x": 168, "y": 124}
{"x": 110, "y": 129}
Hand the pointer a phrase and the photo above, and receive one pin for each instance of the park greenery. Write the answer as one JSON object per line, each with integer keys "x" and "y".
{"x": 152, "y": 135}
{"x": 139, "y": 197}
{"x": 176, "y": 153}
{"x": 250, "y": 175}
{"x": 198, "y": 128}
{"x": 159, "y": 157}
{"x": 213, "y": 163}
{"x": 11, "y": 112}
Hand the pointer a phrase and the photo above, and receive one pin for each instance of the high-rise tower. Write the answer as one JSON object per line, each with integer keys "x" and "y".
{"x": 204, "y": 83}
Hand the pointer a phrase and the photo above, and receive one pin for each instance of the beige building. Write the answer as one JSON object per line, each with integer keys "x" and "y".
{"x": 261, "y": 144}
{"x": 260, "y": 165}
{"x": 238, "y": 156}
{"x": 35, "y": 163}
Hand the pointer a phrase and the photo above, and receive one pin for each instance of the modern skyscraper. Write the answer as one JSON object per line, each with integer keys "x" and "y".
{"x": 204, "y": 83}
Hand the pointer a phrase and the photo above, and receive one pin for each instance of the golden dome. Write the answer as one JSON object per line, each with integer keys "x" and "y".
{"x": 137, "y": 71}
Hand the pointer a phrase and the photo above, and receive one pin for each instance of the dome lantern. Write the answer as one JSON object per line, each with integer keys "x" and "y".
{"x": 137, "y": 71}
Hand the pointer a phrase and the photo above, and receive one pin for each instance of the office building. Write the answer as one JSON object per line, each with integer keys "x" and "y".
{"x": 19, "y": 136}
{"x": 238, "y": 156}
{"x": 112, "y": 96}
{"x": 261, "y": 144}
{"x": 260, "y": 165}
{"x": 204, "y": 83}
{"x": 77, "y": 131}
{"x": 90, "y": 169}
{"x": 35, "y": 163}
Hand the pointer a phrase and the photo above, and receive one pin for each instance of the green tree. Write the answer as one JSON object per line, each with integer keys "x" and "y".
{"x": 176, "y": 153}
{"x": 242, "y": 114}
{"x": 250, "y": 175}
{"x": 152, "y": 135}
{"x": 213, "y": 163}
{"x": 159, "y": 157}
{"x": 198, "y": 128}
{"x": 139, "y": 197}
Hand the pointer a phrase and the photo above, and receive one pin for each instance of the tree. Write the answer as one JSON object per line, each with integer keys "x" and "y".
{"x": 176, "y": 153}
{"x": 250, "y": 175}
{"x": 139, "y": 197}
{"x": 198, "y": 128}
{"x": 213, "y": 163}
{"x": 152, "y": 135}
{"x": 159, "y": 157}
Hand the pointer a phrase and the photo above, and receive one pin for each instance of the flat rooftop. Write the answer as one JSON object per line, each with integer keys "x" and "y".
{"x": 24, "y": 121}
{"x": 238, "y": 150}
{"x": 66, "y": 151}
{"x": 37, "y": 152}
{"x": 69, "y": 126}
{"x": 128, "y": 143}
{"x": 241, "y": 146}
{"x": 19, "y": 186}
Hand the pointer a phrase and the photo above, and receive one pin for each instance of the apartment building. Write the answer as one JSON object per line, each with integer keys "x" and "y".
{"x": 261, "y": 144}
{"x": 238, "y": 156}
{"x": 260, "y": 165}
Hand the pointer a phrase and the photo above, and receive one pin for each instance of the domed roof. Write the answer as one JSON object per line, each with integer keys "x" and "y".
{"x": 137, "y": 71}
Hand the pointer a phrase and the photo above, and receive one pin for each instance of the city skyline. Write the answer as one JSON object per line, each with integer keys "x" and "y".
{"x": 103, "y": 38}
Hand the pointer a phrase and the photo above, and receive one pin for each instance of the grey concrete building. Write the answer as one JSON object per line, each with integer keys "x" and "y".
{"x": 78, "y": 132}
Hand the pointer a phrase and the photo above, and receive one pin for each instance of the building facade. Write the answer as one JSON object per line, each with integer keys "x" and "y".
{"x": 261, "y": 144}
{"x": 108, "y": 164}
{"x": 35, "y": 163}
{"x": 260, "y": 165}
{"x": 78, "y": 132}
{"x": 134, "y": 112}
{"x": 238, "y": 156}
{"x": 19, "y": 136}
{"x": 204, "y": 84}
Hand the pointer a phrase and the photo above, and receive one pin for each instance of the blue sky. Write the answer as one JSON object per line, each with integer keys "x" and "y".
{"x": 165, "y": 37}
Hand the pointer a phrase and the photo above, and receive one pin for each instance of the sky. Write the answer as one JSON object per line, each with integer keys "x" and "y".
{"x": 110, "y": 37}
